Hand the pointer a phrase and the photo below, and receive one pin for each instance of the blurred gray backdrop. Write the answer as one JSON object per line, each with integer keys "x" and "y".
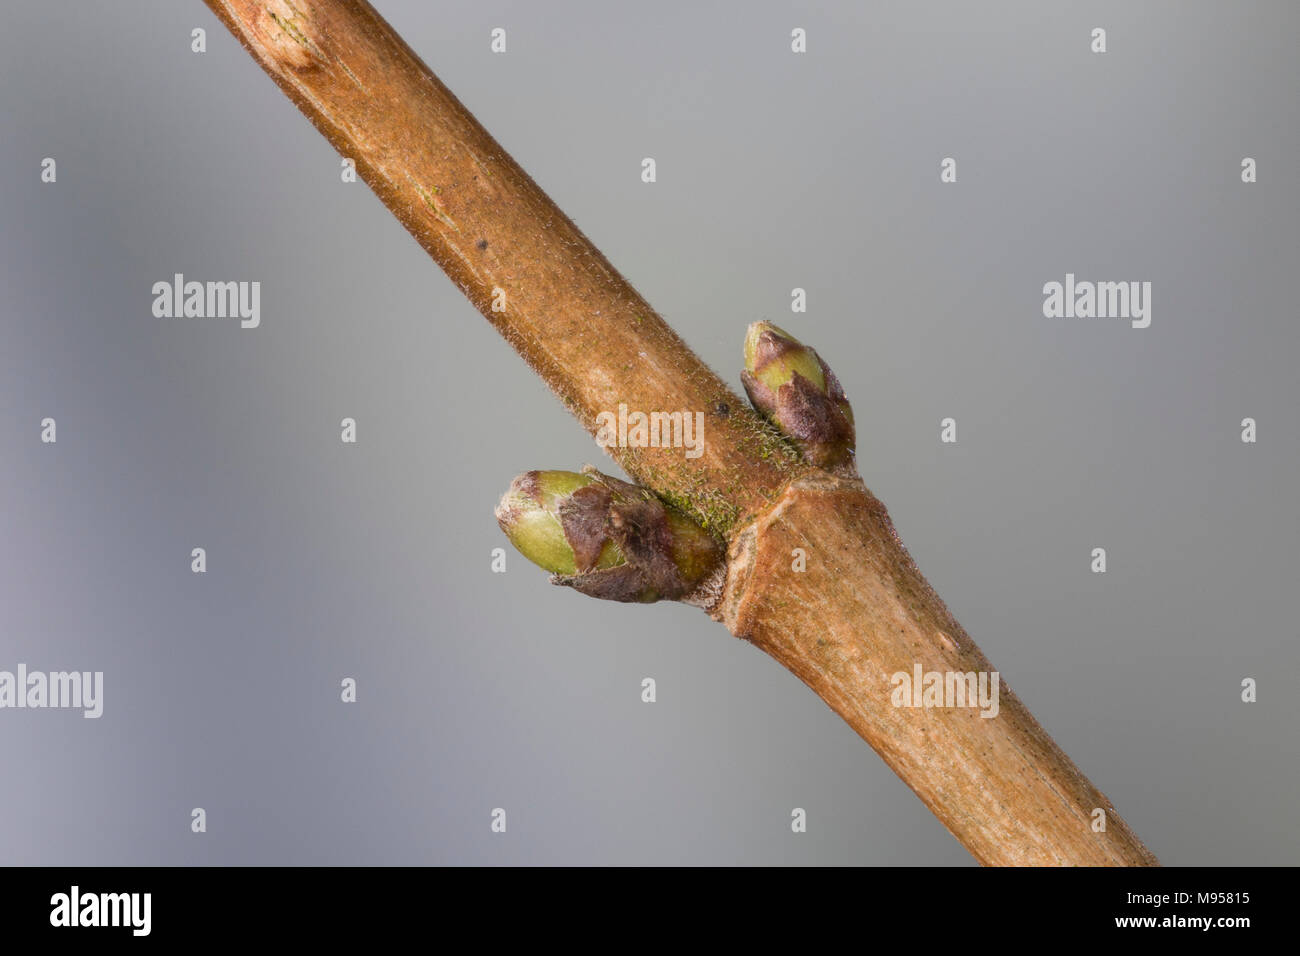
{"x": 480, "y": 690}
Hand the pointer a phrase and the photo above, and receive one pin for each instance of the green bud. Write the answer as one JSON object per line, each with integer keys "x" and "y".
{"x": 790, "y": 384}
{"x": 529, "y": 514}
{"x": 607, "y": 538}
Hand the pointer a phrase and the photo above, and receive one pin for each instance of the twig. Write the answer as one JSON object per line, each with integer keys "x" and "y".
{"x": 861, "y": 612}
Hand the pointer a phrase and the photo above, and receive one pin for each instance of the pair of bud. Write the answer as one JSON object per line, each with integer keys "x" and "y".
{"x": 618, "y": 541}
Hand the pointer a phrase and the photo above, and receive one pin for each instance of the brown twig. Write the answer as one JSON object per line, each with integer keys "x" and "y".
{"x": 861, "y": 612}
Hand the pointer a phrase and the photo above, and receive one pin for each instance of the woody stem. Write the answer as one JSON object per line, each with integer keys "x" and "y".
{"x": 860, "y": 611}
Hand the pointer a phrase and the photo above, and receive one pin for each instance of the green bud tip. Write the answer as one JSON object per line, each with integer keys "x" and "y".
{"x": 607, "y": 538}
{"x": 789, "y": 383}
{"x": 774, "y": 356}
{"x": 529, "y": 514}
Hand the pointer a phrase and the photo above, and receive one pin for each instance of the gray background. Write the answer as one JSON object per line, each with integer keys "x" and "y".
{"x": 481, "y": 690}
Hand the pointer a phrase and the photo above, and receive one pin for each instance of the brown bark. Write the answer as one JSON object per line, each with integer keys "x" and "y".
{"x": 574, "y": 319}
{"x": 860, "y": 612}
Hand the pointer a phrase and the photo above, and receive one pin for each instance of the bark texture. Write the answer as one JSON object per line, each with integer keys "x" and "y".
{"x": 558, "y": 301}
{"x": 860, "y": 613}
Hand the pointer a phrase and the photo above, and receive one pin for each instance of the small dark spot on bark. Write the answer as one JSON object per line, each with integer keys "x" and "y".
{"x": 482, "y": 243}
{"x": 721, "y": 409}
